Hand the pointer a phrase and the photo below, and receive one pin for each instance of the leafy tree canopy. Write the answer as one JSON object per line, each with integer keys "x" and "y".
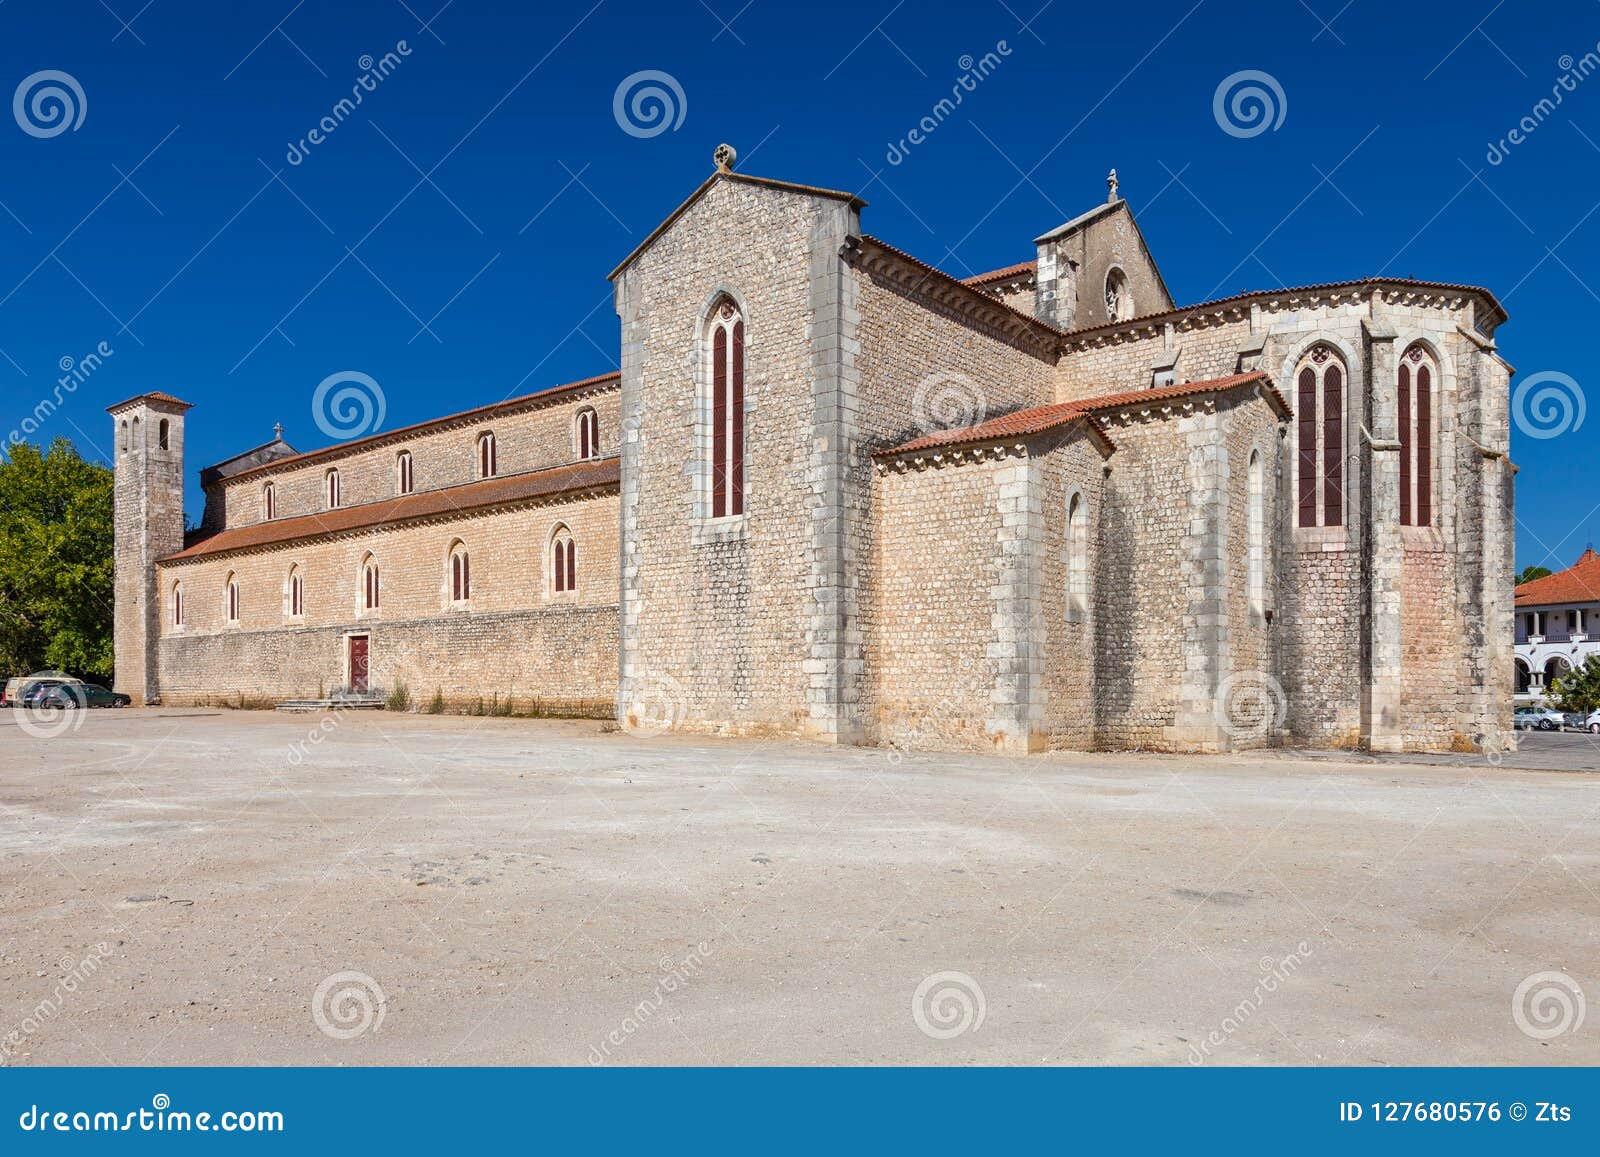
{"x": 1528, "y": 573}
{"x": 56, "y": 565}
{"x": 1578, "y": 689}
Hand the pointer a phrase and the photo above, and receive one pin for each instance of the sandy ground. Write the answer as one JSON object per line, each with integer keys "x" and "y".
{"x": 178, "y": 885}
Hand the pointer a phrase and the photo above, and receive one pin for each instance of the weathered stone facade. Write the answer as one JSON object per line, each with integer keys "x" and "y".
{"x": 1042, "y": 508}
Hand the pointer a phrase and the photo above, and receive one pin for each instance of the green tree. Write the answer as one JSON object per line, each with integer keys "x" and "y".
{"x": 1528, "y": 573}
{"x": 56, "y": 565}
{"x": 1579, "y": 689}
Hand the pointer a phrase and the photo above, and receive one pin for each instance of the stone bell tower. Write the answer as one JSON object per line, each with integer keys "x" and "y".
{"x": 148, "y": 432}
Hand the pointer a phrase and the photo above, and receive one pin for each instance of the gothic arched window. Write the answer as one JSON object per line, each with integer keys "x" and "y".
{"x": 1419, "y": 377}
{"x": 161, "y": 435}
{"x": 726, "y": 345}
{"x": 230, "y": 600}
{"x": 588, "y": 431}
{"x": 460, "y": 573}
{"x": 330, "y": 490}
{"x": 563, "y": 561}
{"x": 402, "y": 472}
{"x": 1319, "y": 438}
{"x": 269, "y": 501}
{"x": 486, "y": 455}
{"x": 177, "y": 604}
{"x": 369, "y": 584}
{"x": 1077, "y": 559}
{"x": 297, "y": 593}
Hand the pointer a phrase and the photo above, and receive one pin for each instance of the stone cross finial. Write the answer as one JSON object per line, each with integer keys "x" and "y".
{"x": 277, "y": 430}
{"x": 1111, "y": 183}
{"x": 725, "y": 157}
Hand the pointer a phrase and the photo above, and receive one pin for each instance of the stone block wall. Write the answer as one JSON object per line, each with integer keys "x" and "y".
{"x": 530, "y": 436}
{"x": 719, "y": 616}
{"x": 272, "y": 653}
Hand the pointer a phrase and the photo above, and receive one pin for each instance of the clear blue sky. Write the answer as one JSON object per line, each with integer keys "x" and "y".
{"x": 213, "y": 280}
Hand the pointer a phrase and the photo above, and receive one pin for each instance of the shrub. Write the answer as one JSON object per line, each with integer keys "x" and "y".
{"x": 436, "y": 704}
{"x": 400, "y": 698}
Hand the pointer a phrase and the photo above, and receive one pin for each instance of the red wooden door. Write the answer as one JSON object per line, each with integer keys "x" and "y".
{"x": 358, "y": 664}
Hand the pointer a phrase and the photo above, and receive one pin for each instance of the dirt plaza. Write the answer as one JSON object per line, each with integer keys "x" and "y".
{"x": 236, "y": 887}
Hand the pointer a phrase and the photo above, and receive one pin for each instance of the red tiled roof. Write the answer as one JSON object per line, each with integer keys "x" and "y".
{"x": 570, "y": 479}
{"x": 1017, "y": 424}
{"x": 1181, "y": 390}
{"x": 1579, "y": 583}
{"x": 152, "y": 396}
{"x": 481, "y": 412}
{"x": 1005, "y": 274}
{"x": 1037, "y": 419}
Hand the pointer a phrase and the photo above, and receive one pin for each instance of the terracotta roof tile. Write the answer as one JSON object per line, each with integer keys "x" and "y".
{"x": 1017, "y": 424}
{"x": 572, "y": 478}
{"x": 494, "y": 409}
{"x": 1579, "y": 583}
{"x": 1181, "y": 390}
{"x": 152, "y": 396}
{"x": 1005, "y": 274}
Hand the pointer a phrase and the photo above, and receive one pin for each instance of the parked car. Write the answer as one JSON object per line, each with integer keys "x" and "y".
{"x": 1589, "y": 722}
{"x": 71, "y": 696}
{"x": 1537, "y": 719}
{"x": 15, "y": 687}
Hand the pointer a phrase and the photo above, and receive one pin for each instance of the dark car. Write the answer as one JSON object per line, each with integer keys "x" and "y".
{"x": 71, "y": 696}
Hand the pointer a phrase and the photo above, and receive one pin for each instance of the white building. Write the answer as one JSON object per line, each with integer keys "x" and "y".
{"x": 1558, "y": 626}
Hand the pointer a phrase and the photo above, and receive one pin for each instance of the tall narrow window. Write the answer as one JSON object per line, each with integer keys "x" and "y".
{"x": 369, "y": 584}
{"x": 297, "y": 593}
{"x": 1418, "y": 374}
{"x": 1077, "y": 559}
{"x": 177, "y": 604}
{"x": 331, "y": 493}
{"x": 161, "y": 435}
{"x": 563, "y": 562}
{"x": 727, "y": 411}
{"x": 230, "y": 600}
{"x": 1256, "y": 536}
{"x": 1119, "y": 301}
{"x": 588, "y": 429}
{"x": 460, "y": 574}
{"x": 269, "y": 501}
{"x": 124, "y": 436}
{"x": 1319, "y": 439}
{"x": 402, "y": 472}
{"x": 486, "y": 460}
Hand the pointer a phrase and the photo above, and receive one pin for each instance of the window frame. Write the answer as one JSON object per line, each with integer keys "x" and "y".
{"x": 586, "y": 434}
{"x": 230, "y": 599}
{"x": 488, "y": 463}
{"x": 296, "y": 608}
{"x": 561, "y": 568}
{"x": 1321, "y": 438}
{"x": 726, "y": 437}
{"x": 332, "y": 489}
{"x": 1418, "y": 386}
{"x": 404, "y": 473}
{"x": 458, "y": 575}
{"x": 269, "y": 501}
{"x": 369, "y": 595}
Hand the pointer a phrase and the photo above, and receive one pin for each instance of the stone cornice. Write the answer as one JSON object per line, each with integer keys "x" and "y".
{"x": 974, "y": 305}
{"x": 915, "y": 462}
{"x": 1244, "y": 306}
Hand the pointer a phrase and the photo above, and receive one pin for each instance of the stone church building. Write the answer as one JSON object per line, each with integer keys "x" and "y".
{"x": 834, "y": 492}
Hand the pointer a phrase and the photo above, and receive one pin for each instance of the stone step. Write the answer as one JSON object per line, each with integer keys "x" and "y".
{"x": 363, "y": 703}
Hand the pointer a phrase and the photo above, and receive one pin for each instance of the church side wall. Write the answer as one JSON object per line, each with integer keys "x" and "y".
{"x": 530, "y": 440}
{"x": 1141, "y": 595}
{"x": 921, "y": 369}
{"x": 931, "y": 666}
{"x": 1069, "y": 667}
{"x": 519, "y": 638}
{"x": 1256, "y": 701}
